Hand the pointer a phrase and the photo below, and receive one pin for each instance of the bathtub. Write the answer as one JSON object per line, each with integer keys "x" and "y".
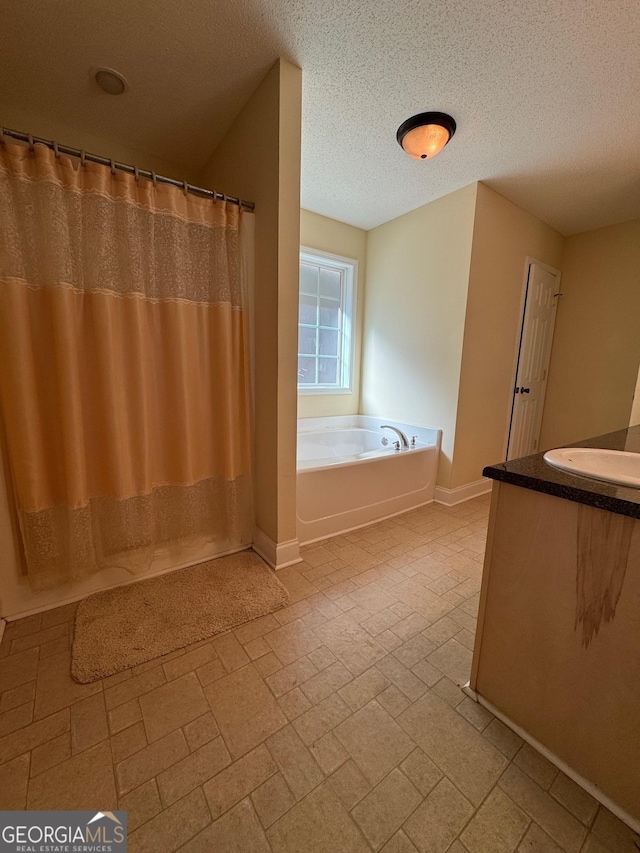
{"x": 348, "y": 478}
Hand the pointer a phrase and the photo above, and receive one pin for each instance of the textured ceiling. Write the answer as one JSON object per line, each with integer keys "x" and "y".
{"x": 546, "y": 93}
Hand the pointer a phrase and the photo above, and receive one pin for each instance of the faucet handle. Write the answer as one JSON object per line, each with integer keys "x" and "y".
{"x": 396, "y": 444}
{"x": 414, "y": 438}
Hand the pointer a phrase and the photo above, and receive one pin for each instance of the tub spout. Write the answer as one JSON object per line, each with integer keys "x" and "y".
{"x": 401, "y": 435}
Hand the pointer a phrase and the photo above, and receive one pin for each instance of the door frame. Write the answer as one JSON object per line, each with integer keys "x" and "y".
{"x": 516, "y": 356}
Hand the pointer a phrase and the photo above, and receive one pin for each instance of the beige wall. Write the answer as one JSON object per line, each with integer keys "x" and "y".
{"x": 504, "y": 235}
{"x": 65, "y": 135}
{"x": 288, "y": 290}
{"x": 329, "y": 235}
{"x": 259, "y": 159}
{"x": 417, "y": 279}
{"x": 596, "y": 346}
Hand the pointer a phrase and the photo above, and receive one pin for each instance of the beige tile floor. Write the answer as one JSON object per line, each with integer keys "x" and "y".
{"x": 336, "y": 725}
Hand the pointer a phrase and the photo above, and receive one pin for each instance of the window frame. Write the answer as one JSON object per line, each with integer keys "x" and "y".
{"x": 349, "y": 266}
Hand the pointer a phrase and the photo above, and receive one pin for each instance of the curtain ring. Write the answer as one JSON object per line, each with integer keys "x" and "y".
{"x": 154, "y": 179}
{"x": 2, "y": 139}
{"x": 136, "y": 174}
{"x": 185, "y": 187}
{"x": 83, "y": 158}
{"x": 113, "y": 168}
{"x": 30, "y": 138}
{"x": 55, "y": 150}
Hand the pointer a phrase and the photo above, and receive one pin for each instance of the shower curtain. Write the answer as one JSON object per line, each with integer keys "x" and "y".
{"x": 124, "y": 371}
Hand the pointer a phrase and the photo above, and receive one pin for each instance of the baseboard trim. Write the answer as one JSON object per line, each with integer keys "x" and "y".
{"x": 71, "y": 599}
{"x": 346, "y": 530}
{"x": 278, "y": 555}
{"x": 585, "y": 784}
{"x": 452, "y": 497}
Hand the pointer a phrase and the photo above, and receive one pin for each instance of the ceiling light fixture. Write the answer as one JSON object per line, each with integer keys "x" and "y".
{"x": 110, "y": 81}
{"x": 425, "y": 135}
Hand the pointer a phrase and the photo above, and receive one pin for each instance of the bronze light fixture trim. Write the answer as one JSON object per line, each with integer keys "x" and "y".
{"x": 424, "y": 135}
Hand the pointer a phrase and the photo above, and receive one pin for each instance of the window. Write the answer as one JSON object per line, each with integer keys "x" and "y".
{"x": 325, "y": 324}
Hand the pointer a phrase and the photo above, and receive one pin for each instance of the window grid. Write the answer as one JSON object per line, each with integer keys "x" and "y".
{"x": 317, "y": 327}
{"x": 325, "y": 337}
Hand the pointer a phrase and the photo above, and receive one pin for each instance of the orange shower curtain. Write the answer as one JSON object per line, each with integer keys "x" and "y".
{"x": 123, "y": 366}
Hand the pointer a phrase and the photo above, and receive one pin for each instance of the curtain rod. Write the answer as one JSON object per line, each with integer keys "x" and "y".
{"x": 123, "y": 167}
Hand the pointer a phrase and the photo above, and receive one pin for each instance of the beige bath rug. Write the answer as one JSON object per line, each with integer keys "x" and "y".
{"x": 120, "y": 628}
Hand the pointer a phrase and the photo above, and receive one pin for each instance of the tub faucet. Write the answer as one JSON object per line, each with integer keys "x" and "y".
{"x": 401, "y": 435}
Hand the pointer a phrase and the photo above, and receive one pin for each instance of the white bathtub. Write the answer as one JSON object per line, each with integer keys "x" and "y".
{"x": 348, "y": 478}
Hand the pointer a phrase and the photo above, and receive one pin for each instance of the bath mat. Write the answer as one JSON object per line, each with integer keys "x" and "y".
{"x": 123, "y": 627}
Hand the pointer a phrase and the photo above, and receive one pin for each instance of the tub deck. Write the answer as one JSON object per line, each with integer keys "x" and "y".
{"x": 347, "y": 479}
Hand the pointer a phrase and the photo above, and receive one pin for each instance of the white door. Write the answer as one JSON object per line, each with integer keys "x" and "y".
{"x": 533, "y": 360}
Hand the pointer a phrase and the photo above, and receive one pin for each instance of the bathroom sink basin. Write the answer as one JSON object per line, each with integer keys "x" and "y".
{"x": 611, "y": 466}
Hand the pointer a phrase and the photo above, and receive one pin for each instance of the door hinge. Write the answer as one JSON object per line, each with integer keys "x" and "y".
{"x": 535, "y": 444}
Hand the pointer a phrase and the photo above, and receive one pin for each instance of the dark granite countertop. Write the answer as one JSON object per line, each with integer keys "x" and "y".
{"x": 532, "y": 472}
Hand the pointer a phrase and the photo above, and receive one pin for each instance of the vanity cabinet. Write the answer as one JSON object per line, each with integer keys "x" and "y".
{"x": 557, "y": 650}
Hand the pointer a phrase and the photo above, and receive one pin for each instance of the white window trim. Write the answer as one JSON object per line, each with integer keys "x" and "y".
{"x": 351, "y": 286}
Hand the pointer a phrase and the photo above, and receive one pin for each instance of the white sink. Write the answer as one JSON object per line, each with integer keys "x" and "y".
{"x": 612, "y": 466}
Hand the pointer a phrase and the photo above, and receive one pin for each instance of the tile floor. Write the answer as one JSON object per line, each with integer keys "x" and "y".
{"x": 336, "y": 725}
